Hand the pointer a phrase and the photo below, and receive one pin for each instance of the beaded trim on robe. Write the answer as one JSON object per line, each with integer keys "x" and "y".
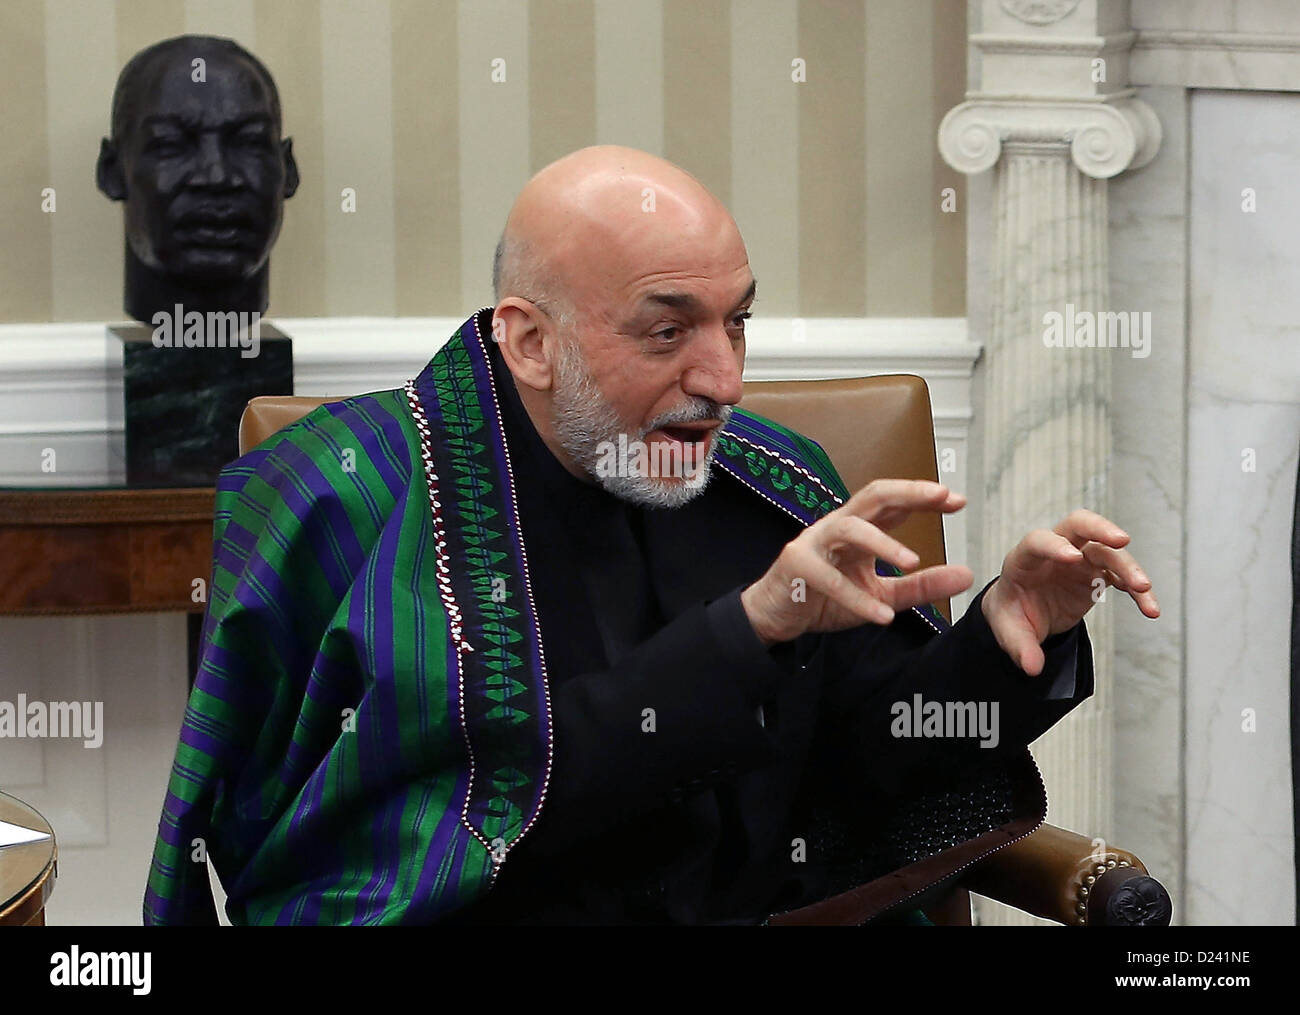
{"x": 504, "y": 697}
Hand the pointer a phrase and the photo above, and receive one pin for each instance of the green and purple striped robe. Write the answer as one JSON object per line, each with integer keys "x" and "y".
{"x": 369, "y": 732}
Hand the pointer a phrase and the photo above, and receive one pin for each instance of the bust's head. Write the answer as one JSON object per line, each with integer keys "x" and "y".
{"x": 197, "y": 157}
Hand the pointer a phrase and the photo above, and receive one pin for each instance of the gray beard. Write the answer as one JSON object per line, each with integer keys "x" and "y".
{"x": 584, "y": 420}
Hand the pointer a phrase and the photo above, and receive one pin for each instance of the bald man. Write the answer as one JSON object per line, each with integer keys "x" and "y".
{"x": 521, "y": 643}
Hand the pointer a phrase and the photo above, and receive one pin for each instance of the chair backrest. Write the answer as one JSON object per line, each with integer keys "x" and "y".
{"x": 871, "y": 427}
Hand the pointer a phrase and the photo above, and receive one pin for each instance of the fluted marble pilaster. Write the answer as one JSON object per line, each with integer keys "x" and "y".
{"x": 1047, "y": 425}
{"x": 1048, "y": 429}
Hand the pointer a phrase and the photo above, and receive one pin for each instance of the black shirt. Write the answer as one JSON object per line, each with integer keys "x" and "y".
{"x": 682, "y": 745}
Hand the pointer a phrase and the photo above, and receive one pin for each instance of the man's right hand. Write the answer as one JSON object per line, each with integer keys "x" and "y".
{"x": 825, "y": 578}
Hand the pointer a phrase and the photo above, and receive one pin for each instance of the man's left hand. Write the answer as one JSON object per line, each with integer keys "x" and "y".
{"x": 1052, "y": 578}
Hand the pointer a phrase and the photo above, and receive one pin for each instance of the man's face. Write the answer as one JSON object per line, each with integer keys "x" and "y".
{"x": 657, "y": 358}
{"x": 204, "y": 170}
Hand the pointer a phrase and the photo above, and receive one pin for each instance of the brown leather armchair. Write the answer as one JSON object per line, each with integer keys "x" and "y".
{"x": 882, "y": 426}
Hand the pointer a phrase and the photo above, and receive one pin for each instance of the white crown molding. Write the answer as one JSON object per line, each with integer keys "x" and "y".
{"x": 805, "y": 345}
{"x": 1213, "y": 59}
{"x": 1106, "y": 136}
{"x": 66, "y": 378}
{"x": 1216, "y": 42}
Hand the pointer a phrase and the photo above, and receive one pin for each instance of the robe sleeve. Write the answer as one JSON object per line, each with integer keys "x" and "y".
{"x": 212, "y": 742}
{"x": 251, "y": 733}
{"x": 874, "y": 675}
{"x": 240, "y": 718}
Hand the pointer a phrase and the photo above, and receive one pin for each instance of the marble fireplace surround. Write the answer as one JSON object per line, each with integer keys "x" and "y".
{"x": 1205, "y": 805}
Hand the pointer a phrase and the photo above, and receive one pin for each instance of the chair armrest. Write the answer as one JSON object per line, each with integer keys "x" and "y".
{"x": 1059, "y": 875}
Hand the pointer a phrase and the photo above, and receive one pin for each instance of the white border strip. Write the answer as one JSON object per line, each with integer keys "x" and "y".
{"x": 65, "y": 377}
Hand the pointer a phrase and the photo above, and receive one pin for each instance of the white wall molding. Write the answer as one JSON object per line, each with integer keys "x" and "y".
{"x": 61, "y": 384}
{"x": 1229, "y": 44}
{"x": 1218, "y": 42}
{"x": 350, "y": 355}
{"x": 1211, "y": 59}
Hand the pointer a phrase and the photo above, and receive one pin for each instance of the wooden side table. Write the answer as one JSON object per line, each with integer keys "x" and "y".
{"x": 70, "y": 551}
{"x": 28, "y": 870}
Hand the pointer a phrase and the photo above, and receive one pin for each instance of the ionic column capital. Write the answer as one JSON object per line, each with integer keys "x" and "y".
{"x": 1105, "y": 136}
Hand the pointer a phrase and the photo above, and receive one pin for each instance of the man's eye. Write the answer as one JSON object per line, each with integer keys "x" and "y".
{"x": 665, "y": 334}
{"x": 165, "y": 145}
{"x": 740, "y": 319}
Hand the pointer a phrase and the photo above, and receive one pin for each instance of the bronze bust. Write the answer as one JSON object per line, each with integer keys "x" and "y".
{"x": 195, "y": 154}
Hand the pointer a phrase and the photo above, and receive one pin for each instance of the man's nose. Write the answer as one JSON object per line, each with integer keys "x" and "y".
{"x": 213, "y": 168}
{"x": 716, "y": 369}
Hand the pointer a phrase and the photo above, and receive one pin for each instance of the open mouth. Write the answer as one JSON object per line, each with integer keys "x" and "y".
{"x": 687, "y": 433}
{"x": 684, "y": 435}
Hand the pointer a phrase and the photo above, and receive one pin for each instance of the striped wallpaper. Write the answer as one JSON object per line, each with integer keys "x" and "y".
{"x": 835, "y": 182}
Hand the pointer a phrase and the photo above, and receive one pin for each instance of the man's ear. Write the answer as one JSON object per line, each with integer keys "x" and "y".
{"x": 108, "y": 171}
{"x": 519, "y": 328}
{"x": 290, "y": 168}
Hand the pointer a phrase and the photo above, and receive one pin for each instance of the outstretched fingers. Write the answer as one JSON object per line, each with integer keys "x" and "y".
{"x": 888, "y": 502}
{"x": 859, "y": 534}
{"x": 1123, "y": 572}
{"x": 940, "y": 581}
{"x": 1083, "y": 525}
{"x": 1044, "y": 545}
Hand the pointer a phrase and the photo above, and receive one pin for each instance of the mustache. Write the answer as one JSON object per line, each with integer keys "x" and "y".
{"x": 695, "y": 411}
